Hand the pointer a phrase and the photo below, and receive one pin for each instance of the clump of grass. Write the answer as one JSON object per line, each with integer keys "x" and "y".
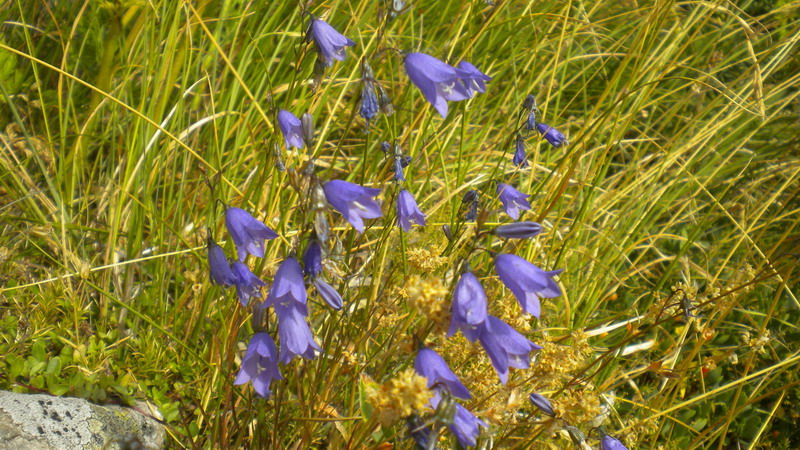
{"x": 674, "y": 210}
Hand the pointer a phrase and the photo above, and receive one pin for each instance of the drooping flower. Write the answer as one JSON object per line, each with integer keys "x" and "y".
{"x": 438, "y": 81}
{"x": 430, "y": 365}
{"x": 260, "y": 364}
{"x": 611, "y": 443}
{"x": 543, "y": 404}
{"x": 312, "y": 259}
{"x": 475, "y": 80}
{"x": 247, "y": 284}
{"x": 505, "y": 346}
{"x": 513, "y": 200}
{"x": 287, "y": 287}
{"x": 518, "y": 230}
{"x": 291, "y": 128}
{"x": 520, "y": 159}
{"x": 469, "y": 307}
{"x": 330, "y": 43}
{"x": 354, "y": 202}
{"x": 218, "y": 266}
{"x": 408, "y": 212}
{"x": 553, "y": 136}
{"x": 369, "y": 101}
{"x": 248, "y": 233}
{"x": 530, "y": 122}
{"x": 296, "y": 337}
{"x": 527, "y": 282}
{"x": 465, "y": 426}
{"x": 329, "y": 294}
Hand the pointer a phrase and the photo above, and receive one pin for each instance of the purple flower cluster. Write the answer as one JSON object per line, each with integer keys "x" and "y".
{"x": 440, "y": 82}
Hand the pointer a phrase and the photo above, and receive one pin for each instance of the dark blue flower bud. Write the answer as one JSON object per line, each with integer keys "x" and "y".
{"x": 553, "y": 136}
{"x": 543, "y": 404}
{"x": 218, "y": 266}
{"x": 519, "y": 230}
{"x": 519, "y": 152}
{"x": 312, "y": 259}
{"x": 529, "y": 103}
{"x": 329, "y": 294}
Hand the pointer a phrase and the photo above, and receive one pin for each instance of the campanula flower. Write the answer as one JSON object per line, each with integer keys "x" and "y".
{"x": 260, "y": 364}
{"x": 530, "y": 122}
{"x": 329, "y": 294}
{"x": 247, "y": 284}
{"x": 330, "y": 43}
{"x": 312, "y": 259}
{"x": 465, "y": 426}
{"x": 248, "y": 233}
{"x": 611, "y": 443}
{"x": 369, "y": 101}
{"x": 512, "y": 199}
{"x": 408, "y": 212}
{"x": 553, "y": 136}
{"x": 520, "y": 159}
{"x": 430, "y": 365}
{"x": 469, "y": 307}
{"x": 218, "y": 265}
{"x": 419, "y": 431}
{"x": 529, "y": 103}
{"x": 287, "y": 287}
{"x": 354, "y": 202}
{"x": 475, "y": 80}
{"x": 505, "y": 346}
{"x": 543, "y": 404}
{"x": 291, "y": 128}
{"x": 518, "y": 230}
{"x": 296, "y": 338}
{"x": 438, "y": 81}
{"x": 527, "y": 282}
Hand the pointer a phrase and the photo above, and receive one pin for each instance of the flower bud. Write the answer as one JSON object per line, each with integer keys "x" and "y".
{"x": 519, "y": 230}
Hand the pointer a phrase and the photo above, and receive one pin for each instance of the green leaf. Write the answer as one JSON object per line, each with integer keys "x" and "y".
{"x": 54, "y": 366}
{"x": 363, "y": 404}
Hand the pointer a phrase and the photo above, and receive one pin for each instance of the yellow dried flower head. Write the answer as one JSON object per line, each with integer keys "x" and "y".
{"x": 426, "y": 259}
{"x": 578, "y": 406}
{"x": 399, "y": 397}
{"x": 428, "y": 297}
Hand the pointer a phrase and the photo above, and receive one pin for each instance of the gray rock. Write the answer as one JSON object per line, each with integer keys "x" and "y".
{"x": 35, "y": 421}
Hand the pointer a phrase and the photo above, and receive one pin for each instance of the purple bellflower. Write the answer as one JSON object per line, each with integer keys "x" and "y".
{"x": 260, "y": 364}
{"x": 247, "y": 284}
{"x": 520, "y": 159}
{"x": 553, "y": 136}
{"x": 527, "y": 282}
{"x": 288, "y": 287}
{"x": 543, "y": 404}
{"x": 291, "y": 128}
{"x": 438, "y": 81}
{"x": 513, "y": 200}
{"x": 330, "y": 43}
{"x": 408, "y": 212}
{"x": 505, "y": 346}
{"x": 354, "y": 202}
{"x": 518, "y": 230}
{"x": 465, "y": 427}
{"x": 475, "y": 80}
{"x": 530, "y": 122}
{"x": 369, "y": 101}
{"x": 610, "y": 443}
{"x": 296, "y": 337}
{"x": 312, "y": 259}
{"x": 218, "y": 266}
{"x": 469, "y": 307}
{"x": 429, "y": 364}
{"x": 329, "y": 294}
{"x": 248, "y": 233}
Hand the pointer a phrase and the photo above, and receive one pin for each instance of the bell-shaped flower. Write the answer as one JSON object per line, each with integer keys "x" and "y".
{"x": 513, "y": 200}
{"x": 248, "y": 233}
{"x": 260, "y": 364}
{"x": 469, "y": 307}
{"x": 329, "y": 294}
{"x": 218, "y": 266}
{"x": 296, "y": 337}
{"x": 520, "y": 159}
{"x": 291, "y": 128}
{"x": 430, "y": 365}
{"x": 438, "y": 81}
{"x": 312, "y": 259}
{"x": 518, "y": 230}
{"x": 287, "y": 287}
{"x": 505, "y": 346}
{"x": 474, "y": 80}
{"x": 553, "y": 136}
{"x": 465, "y": 426}
{"x": 354, "y": 202}
{"x": 527, "y": 282}
{"x": 247, "y": 284}
{"x": 408, "y": 212}
{"x": 330, "y": 43}
{"x": 543, "y": 404}
{"x": 611, "y": 443}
